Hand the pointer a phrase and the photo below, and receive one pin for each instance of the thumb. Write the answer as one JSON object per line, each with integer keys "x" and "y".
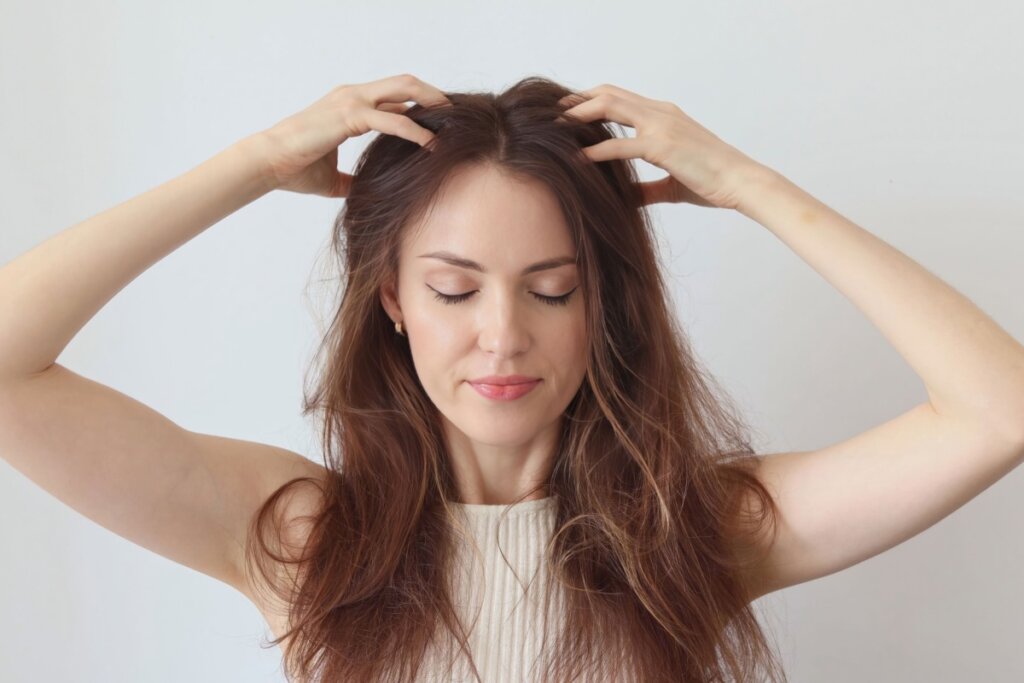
{"x": 342, "y": 184}
{"x": 670, "y": 191}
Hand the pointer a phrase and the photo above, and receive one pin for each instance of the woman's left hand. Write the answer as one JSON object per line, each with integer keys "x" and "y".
{"x": 702, "y": 168}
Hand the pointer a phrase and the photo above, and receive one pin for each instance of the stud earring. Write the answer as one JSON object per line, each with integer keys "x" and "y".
{"x": 398, "y": 328}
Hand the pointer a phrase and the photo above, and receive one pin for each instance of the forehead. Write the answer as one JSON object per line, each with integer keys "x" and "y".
{"x": 486, "y": 215}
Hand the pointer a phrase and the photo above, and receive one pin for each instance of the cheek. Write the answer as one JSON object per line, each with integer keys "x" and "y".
{"x": 435, "y": 342}
{"x": 578, "y": 330}
{"x": 437, "y": 334}
{"x": 570, "y": 344}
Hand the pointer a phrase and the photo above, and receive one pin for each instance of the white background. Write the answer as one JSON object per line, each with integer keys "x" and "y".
{"x": 904, "y": 117}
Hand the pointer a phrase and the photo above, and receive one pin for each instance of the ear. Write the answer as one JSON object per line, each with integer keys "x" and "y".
{"x": 389, "y": 299}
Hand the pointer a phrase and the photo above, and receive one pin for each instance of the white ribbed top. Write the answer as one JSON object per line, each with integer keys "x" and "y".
{"x": 501, "y": 604}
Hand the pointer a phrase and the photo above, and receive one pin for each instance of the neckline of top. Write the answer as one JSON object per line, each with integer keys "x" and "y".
{"x": 537, "y": 504}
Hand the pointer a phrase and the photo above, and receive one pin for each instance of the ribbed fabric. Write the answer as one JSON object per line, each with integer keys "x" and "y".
{"x": 502, "y": 605}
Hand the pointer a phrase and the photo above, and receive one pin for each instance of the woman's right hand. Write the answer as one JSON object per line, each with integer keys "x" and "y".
{"x": 301, "y": 151}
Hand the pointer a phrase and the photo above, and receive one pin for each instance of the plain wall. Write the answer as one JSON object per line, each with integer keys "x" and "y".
{"x": 904, "y": 117}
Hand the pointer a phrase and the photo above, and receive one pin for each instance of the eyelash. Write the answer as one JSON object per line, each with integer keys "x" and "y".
{"x": 549, "y": 300}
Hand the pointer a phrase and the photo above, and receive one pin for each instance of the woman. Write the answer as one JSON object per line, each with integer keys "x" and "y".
{"x": 527, "y": 474}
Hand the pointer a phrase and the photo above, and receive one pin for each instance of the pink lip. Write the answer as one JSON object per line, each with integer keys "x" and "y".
{"x": 504, "y": 392}
{"x": 504, "y": 379}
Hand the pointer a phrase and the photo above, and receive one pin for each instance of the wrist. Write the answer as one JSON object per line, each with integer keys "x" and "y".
{"x": 758, "y": 182}
{"x": 254, "y": 149}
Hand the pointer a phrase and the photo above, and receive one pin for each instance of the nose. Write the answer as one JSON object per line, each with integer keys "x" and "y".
{"x": 504, "y": 330}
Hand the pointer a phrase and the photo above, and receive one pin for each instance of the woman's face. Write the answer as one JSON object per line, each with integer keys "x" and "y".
{"x": 503, "y": 319}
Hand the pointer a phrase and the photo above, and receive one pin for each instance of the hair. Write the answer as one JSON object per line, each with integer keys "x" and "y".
{"x": 655, "y": 481}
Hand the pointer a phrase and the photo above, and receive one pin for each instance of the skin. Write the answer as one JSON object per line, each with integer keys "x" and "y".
{"x": 499, "y": 449}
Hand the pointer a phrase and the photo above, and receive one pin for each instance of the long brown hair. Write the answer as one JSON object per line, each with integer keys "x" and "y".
{"x": 654, "y": 476}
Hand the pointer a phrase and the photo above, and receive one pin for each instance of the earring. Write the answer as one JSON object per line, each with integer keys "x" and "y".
{"x": 398, "y": 328}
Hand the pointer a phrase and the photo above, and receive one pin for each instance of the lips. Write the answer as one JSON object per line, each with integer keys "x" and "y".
{"x": 504, "y": 380}
{"x": 504, "y": 392}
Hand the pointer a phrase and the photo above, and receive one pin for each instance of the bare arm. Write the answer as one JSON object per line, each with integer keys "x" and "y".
{"x": 972, "y": 369}
{"x": 50, "y": 292}
{"x": 846, "y": 502}
{"x": 184, "y": 495}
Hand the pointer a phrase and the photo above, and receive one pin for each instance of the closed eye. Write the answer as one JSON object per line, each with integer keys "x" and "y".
{"x": 459, "y": 298}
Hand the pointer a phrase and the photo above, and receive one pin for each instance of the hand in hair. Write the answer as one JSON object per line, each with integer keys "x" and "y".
{"x": 301, "y": 151}
{"x": 703, "y": 169}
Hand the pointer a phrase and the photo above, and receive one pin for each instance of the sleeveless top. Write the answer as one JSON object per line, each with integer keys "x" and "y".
{"x": 500, "y": 601}
{"x": 501, "y": 596}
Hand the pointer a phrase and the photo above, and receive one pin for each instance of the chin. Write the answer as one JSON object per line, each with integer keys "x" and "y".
{"x": 500, "y": 433}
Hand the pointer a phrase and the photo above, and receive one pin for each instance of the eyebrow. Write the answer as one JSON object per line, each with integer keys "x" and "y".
{"x": 461, "y": 262}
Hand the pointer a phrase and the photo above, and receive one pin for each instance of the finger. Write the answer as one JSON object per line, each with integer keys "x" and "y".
{"x": 403, "y": 88}
{"x": 616, "y": 148}
{"x": 574, "y": 98}
{"x": 568, "y": 102}
{"x": 607, "y": 107}
{"x": 670, "y": 191}
{"x": 608, "y": 88}
{"x": 394, "y": 107}
{"x": 397, "y": 124}
{"x": 342, "y": 185}
{"x": 656, "y": 191}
